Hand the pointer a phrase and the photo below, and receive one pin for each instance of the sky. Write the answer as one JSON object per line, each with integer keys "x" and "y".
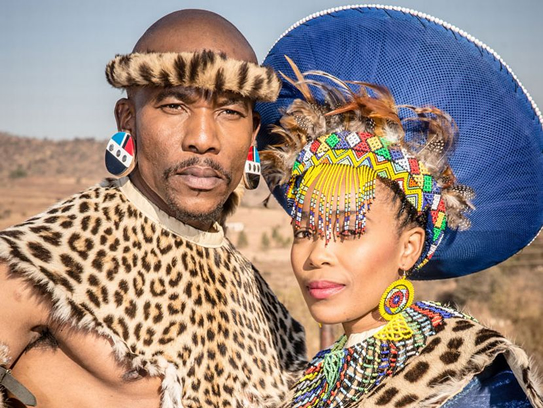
{"x": 53, "y": 52}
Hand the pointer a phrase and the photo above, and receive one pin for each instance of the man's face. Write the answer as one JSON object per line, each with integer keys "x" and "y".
{"x": 192, "y": 147}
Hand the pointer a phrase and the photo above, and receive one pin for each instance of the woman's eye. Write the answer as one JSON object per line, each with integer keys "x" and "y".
{"x": 348, "y": 234}
{"x": 302, "y": 234}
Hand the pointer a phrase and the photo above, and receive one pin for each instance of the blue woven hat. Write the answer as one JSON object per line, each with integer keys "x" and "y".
{"x": 425, "y": 61}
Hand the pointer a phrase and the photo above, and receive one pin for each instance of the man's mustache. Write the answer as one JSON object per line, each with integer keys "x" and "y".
{"x": 196, "y": 161}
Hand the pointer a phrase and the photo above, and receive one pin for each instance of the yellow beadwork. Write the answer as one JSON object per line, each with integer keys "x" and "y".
{"x": 395, "y": 330}
{"x": 332, "y": 157}
{"x": 396, "y": 298}
{"x": 327, "y": 186}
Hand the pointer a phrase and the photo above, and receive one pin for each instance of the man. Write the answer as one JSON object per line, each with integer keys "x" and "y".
{"x": 128, "y": 294}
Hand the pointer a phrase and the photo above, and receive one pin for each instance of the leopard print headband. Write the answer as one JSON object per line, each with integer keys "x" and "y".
{"x": 205, "y": 69}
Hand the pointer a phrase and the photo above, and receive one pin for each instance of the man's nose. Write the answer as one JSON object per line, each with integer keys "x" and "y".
{"x": 201, "y": 133}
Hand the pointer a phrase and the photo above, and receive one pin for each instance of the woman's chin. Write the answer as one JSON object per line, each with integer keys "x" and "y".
{"x": 326, "y": 316}
{"x": 334, "y": 314}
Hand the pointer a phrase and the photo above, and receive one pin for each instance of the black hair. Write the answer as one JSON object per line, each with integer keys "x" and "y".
{"x": 406, "y": 214}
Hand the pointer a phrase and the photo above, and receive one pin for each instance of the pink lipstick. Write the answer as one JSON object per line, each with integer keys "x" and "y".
{"x": 324, "y": 289}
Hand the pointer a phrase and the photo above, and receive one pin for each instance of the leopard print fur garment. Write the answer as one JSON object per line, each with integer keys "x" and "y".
{"x": 175, "y": 301}
{"x": 428, "y": 371}
{"x": 448, "y": 362}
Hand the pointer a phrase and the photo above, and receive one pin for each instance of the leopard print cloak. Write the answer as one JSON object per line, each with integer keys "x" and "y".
{"x": 175, "y": 301}
{"x": 451, "y": 358}
{"x": 434, "y": 371}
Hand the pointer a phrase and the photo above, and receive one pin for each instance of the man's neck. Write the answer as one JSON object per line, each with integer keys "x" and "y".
{"x": 143, "y": 187}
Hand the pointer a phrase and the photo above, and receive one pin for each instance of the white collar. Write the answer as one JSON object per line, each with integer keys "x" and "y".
{"x": 155, "y": 214}
{"x": 357, "y": 338}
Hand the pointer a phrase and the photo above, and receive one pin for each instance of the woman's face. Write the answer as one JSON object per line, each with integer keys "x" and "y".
{"x": 342, "y": 281}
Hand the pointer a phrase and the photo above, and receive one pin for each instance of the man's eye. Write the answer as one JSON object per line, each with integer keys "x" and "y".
{"x": 172, "y": 107}
{"x": 233, "y": 113}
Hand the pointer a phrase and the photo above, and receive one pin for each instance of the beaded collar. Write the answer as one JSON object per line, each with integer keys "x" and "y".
{"x": 340, "y": 376}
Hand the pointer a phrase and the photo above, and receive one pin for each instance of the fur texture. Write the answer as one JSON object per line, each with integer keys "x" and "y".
{"x": 449, "y": 361}
{"x": 170, "y": 306}
{"x": 4, "y": 361}
{"x": 206, "y": 70}
{"x": 516, "y": 359}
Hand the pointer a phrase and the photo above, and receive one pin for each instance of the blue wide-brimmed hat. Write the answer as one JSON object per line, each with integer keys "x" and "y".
{"x": 425, "y": 61}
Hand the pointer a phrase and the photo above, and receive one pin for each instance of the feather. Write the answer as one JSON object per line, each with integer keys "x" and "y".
{"x": 300, "y": 85}
{"x": 370, "y": 108}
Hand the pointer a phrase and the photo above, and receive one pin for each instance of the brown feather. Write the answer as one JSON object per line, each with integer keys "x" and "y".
{"x": 370, "y": 108}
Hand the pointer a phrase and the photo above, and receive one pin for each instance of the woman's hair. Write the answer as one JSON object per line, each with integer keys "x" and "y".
{"x": 406, "y": 215}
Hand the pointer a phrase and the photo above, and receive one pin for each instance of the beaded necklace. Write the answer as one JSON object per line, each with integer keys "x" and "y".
{"x": 340, "y": 376}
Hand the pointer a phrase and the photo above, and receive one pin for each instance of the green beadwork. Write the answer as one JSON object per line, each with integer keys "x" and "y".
{"x": 341, "y": 376}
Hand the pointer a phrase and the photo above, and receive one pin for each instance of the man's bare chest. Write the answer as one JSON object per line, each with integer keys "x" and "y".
{"x": 79, "y": 369}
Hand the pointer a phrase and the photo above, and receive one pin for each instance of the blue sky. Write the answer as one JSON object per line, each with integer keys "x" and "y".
{"x": 53, "y": 52}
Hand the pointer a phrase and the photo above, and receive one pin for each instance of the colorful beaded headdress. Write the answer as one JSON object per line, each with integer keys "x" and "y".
{"x": 352, "y": 140}
{"x": 424, "y": 61}
{"x": 361, "y": 158}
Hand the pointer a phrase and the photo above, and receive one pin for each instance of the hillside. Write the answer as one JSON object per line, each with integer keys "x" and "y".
{"x": 26, "y": 157}
{"x": 36, "y": 173}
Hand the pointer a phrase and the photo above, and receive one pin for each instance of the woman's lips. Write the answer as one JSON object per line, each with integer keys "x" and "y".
{"x": 200, "y": 178}
{"x": 324, "y": 289}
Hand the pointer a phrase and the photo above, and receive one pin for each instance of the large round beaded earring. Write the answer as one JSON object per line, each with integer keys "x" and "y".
{"x": 396, "y": 298}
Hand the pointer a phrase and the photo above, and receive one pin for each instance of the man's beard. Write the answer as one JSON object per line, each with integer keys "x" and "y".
{"x": 171, "y": 199}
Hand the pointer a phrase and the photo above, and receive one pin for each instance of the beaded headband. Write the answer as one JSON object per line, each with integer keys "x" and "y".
{"x": 206, "y": 69}
{"x": 359, "y": 159}
{"x": 334, "y": 150}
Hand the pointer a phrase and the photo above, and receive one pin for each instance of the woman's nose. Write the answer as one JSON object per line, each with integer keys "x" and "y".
{"x": 321, "y": 253}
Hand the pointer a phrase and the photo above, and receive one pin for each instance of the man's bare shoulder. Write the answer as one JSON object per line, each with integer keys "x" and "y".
{"x": 22, "y": 311}
{"x": 20, "y": 297}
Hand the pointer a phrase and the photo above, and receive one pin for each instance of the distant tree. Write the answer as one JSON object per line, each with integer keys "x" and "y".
{"x": 265, "y": 241}
{"x": 276, "y": 235}
{"x": 243, "y": 241}
{"x": 286, "y": 242}
{"x": 19, "y": 172}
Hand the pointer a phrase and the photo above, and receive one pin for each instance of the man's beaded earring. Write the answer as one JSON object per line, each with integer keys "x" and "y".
{"x": 251, "y": 175}
{"x": 121, "y": 154}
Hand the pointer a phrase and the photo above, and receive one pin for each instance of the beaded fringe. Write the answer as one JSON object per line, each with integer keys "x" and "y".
{"x": 327, "y": 184}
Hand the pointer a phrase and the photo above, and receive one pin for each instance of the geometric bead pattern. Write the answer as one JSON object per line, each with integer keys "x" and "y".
{"x": 387, "y": 160}
{"x": 339, "y": 376}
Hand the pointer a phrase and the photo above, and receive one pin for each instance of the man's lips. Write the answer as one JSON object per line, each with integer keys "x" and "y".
{"x": 324, "y": 289}
{"x": 200, "y": 178}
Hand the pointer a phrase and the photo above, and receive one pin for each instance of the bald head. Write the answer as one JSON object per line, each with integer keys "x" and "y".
{"x": 196, "y": 30}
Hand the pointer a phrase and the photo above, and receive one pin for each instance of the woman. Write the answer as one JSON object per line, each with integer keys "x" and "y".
{"x": 373, "y": 198}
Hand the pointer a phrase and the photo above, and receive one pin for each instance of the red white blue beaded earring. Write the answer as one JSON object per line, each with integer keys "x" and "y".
{"x": 251, "y": 175}
{"x": 396, "y": 298}
{"x": 121, "y": 154}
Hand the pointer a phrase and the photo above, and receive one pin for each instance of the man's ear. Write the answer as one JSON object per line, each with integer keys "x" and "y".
{"x": 412, "y": 242}
{"x": 125, "y": 116}
{"x": 256, "y": 125}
